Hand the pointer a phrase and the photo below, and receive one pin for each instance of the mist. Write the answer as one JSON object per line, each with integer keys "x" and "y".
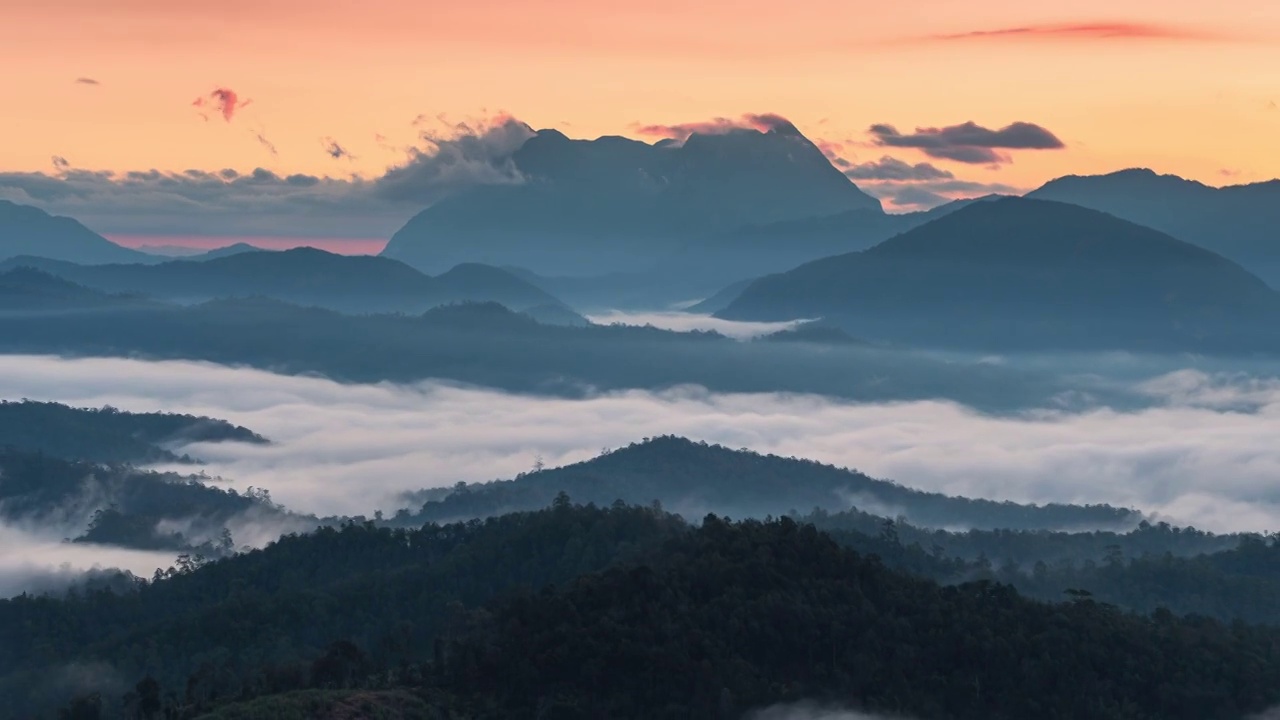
{"x": 37, "y": 560}
{"x": 810, "y": 711}
{"x": 686, "y": 322}
{"x": 1203, "y": 455}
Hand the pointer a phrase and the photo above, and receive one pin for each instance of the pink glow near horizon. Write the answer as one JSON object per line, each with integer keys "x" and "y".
{"x": 341, "y": 246}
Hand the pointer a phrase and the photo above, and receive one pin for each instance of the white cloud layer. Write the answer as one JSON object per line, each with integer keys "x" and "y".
{"x": 36, "y": 559}
{"x": 1205, "y": 456}
{"x": 686, "y": 322}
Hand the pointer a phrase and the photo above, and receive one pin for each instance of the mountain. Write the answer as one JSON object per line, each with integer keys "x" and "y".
{"x": 227, "y": 251}
{"x": 1028, "y": 274}
{"x": 306, "y": 276}
{"x": 693, "y": 479}
{"x": 26, "y": 290}
{"x": 25, "y": 230}
{"x": 610, "y": 204}
{"x": 1239, "y": 221}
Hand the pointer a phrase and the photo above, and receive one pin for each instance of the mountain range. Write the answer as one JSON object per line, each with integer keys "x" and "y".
{"x": 604, "y": 205}
{"x": 304, "y": 276}
{"x": 1027, "y": 274}
{"x": 1241, "y": 222}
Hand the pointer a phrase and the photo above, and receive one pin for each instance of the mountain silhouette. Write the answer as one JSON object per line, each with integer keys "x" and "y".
{"x": 1027, "y": 274}
{"x": 1241, "y": 222}
{"x": 26, "y": 230}
{"x": 305, "y": 276}
{"x": 597, "y": 206}
{"x": 26, "y": 289}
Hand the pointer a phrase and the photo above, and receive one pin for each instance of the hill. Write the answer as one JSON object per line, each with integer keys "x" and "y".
{"x": 26, "y": 290}
{"x": 25, "y": 230}
{"x": 304, "y": 276}
{"x": 611, "y": 204}
{"x": 1028, "y": 274}
{"x": 1238, "y": 221}
{"x": 583, "y": 612}
{"x": 695, "y": 478}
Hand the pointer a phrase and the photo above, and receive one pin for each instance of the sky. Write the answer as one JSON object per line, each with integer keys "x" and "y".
{"x": 338, "y": 88}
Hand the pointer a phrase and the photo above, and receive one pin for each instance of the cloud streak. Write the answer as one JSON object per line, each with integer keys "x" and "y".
{"x": 969, "y": 142}
{"x": 1116, "y": 31}
{"x": 86, "y": 81}
{"x": 1204, "y": 454}
{"x": 334, "y": 150}
{"x": 760, "y": 122}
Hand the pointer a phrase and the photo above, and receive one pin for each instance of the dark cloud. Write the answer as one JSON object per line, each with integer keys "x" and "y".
{"x": 895, "y": 170}
{"x": 262, "y": 203}
{"x": 335, "y": 150}
{"x": 60, "y": 163}
{"x": 1086, "y": 31}
{"x": 969, "y": 142}
{"x": 762, "y": 122}
{"x": 86, "y": 81}
{"x": 222, "y": 101}
{"x": 457, "y": 156}
{"x": 264, "y": 142}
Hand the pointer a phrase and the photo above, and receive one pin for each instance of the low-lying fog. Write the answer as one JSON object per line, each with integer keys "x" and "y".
{"x": 1204, "y": 454}
{"x": 686, "y": 322}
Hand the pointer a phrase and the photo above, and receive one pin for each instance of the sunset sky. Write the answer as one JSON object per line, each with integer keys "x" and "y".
{"x": 1182, "y": 86}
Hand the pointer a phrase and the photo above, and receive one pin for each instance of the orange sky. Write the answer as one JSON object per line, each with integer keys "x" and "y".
{"x": 1183, "y": 86}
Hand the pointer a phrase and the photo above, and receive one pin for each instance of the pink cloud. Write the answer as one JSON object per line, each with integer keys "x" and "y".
{"x": 223, "y": 101}
{"x": 1087, "y": 31}
{"x": 761, "y": 122}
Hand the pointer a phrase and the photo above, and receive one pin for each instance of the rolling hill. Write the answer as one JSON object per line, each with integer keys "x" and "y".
{"x": 304, "y": 276}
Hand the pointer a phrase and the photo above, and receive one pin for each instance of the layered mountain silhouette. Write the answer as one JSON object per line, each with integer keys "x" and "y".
{"x": 26, "y": 230}
{"x": 1241, "y": 222}
{"x": 28, "y": 290}
{"x": 1028, "y": 274}
{"x": 604, "y": 205}
{"x": 305, "y": 276}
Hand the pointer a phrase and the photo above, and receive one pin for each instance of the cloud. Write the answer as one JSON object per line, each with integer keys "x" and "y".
{"x": 1086, "y": 31}
{"x": 455, "y": 157}
{"x": 60, "y": 163}
{"x": 264, "y": 142}
{"x": 264, "y": 204}
{"x": 686, "y": 322}
{"x": 36, "y": 560}
{"x": 923, "y": 195}
{"x": 895, "y": 170}
{"x": 762, "y": 122}
{"x": 1203, "y": 453}
{"x": 334, "y": 150}
{"x": 969, "y": 142}
{"x": 86, "y": 81}
{"x": 222, "y": 101}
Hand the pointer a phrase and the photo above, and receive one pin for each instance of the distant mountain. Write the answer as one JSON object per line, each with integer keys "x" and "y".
{"x": 605, "y": 205}
{"x": 556, "y": 315}
{"x": 226, "y": 251}
{"x": 1028, "y": 274}
{"x": 1241, "y": 222}
{"x": 721, "y": 299}
{"x": 25, "y": 230}
{"x": 694, "y": 478}
{"x": 305, "y": 276}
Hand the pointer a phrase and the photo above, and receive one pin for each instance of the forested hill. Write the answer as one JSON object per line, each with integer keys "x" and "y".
{"x": 693, "y": 478}
{"x": 108, "y": 435}
{"x": 582, "y": 612}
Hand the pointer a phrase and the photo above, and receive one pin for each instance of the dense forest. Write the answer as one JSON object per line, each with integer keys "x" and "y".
{"x": 623, "y": 612}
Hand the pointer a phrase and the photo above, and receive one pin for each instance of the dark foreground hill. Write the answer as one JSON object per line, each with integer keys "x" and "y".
{"x": 1029, "y": 274}
{"x": 581, "y": 612}
{"x": 305, "y": 276}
